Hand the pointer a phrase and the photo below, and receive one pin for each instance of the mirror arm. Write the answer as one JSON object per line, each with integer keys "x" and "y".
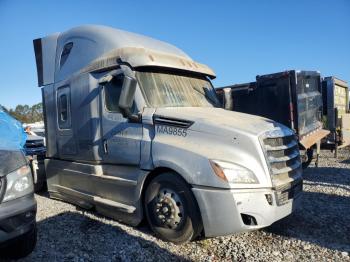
{"x": 133, "y": 118}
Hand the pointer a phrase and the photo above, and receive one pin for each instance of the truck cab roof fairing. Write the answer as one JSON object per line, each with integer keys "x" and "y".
{"x": 45, "y": 55}
{"x": 94, "y": 44}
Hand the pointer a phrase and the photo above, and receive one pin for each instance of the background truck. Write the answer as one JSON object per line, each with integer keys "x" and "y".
{"x": 292, "y": 98}
{"x": 134, "y": 130}
{"x": 336, "y": 115}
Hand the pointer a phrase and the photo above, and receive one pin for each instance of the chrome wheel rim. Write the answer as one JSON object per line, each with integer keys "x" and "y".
{"x": 169, "y": 209}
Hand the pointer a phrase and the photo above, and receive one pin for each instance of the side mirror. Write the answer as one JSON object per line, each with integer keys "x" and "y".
{"x": 126, "y": 98}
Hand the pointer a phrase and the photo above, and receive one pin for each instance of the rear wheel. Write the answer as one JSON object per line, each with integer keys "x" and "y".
{"x": 171, "y": 209}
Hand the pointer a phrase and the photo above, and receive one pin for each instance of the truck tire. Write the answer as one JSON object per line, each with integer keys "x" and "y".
{"x": 21, "y": 247}
{"x": 171, "y": 209}
{"x": 307, "y": 157}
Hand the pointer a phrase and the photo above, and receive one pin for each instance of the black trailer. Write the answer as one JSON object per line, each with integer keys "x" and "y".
{"x": 336, "y": 117}
{"x": 293, "y": 98}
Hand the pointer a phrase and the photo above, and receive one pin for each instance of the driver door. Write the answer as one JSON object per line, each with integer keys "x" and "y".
{"x": 121, "y": 139}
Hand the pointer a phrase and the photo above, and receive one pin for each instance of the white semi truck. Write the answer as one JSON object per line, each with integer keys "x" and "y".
{"x": 134, "y": 131}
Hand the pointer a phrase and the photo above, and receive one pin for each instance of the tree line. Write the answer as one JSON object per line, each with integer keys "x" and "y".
{"x": 26, "y": 113}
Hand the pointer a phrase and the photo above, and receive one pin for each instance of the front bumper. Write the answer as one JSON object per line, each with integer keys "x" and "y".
{"x": 231, "y": 211}
{"x": 17, "y": 217}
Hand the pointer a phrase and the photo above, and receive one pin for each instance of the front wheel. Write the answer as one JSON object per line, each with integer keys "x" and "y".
{"x": 171, "y": 209}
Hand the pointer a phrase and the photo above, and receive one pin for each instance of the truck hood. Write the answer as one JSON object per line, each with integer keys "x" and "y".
{"x": 220, "y": 122}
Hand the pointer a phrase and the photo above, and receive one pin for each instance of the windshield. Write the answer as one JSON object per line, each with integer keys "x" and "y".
{"x": 172, "y": 90}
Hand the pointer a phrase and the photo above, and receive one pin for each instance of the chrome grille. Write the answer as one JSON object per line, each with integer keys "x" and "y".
{"x": 282, "y": 154}
{"x": 283, "y": 158}
{"x": 278, "y": 141}
{"x": 282, "y": 164}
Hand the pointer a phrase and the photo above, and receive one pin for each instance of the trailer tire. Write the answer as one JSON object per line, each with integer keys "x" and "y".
{"x": 171, "y": 209}
{"x": 306, "y": 161}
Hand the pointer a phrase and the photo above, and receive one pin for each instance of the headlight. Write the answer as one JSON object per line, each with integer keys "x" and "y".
{"x": 233, "y": 173}
{"x": 18, "y": 183}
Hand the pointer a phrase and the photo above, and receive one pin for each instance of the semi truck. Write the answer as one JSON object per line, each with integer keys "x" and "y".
{"x": 293, "y": 98}
{"x": 336, "y": 116}
{"x": 134, "y": 131}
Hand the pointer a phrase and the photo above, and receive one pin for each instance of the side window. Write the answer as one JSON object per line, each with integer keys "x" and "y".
{"x": 63, "y": 108}
{"x": 112, "y": 92}
{"x": 65, "y": 53}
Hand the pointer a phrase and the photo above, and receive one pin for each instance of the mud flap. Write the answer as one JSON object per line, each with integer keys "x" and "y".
{"x": 311, "y": 139}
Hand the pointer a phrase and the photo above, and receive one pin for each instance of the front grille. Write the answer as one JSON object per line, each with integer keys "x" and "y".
{"x": 278, "y": 141}
{"x": 283, "y": 158}
{"x": 282, "y": 154}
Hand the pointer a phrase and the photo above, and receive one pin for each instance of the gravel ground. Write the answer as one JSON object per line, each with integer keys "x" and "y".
{"x": 318, "y": 231}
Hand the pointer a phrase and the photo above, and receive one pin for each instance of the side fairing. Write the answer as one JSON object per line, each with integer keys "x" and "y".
{"x": 49, "y": 102}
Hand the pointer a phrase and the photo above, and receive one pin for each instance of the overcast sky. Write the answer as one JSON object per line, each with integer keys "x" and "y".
{"x": 238, "y": 39}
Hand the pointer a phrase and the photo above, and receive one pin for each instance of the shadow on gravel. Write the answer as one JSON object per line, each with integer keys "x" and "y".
{"x": 346, "y": 161}
{"x": 332, "y": 175}
{"x": 72, "y": 236}
{"x": 323, "y": 219}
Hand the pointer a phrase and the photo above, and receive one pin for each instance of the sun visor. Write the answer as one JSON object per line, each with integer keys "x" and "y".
{"x": 45, "y": 54}
{"x": 143, "y": 57}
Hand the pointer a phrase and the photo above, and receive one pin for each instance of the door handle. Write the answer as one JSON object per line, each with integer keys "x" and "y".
{"x": 105, "y": 147}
